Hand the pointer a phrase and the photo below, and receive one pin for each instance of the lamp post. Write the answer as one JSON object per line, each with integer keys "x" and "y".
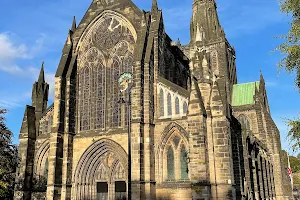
{"x": 125, "y": 83}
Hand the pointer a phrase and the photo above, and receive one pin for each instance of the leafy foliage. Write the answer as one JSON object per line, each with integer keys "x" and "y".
{"x": 294, "y": 134}
{"x": 291, "y": 61}
{"x": 8, "y": 159}
{"x": 291, "y": 47}
{"x": 295, "y": 164}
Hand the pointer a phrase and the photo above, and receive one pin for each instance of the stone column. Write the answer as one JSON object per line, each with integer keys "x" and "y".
{"x": 255, "y": 181}
{"x": 265, "y": 178}
{"x": 222, "y": 147}
{"x": 69, "y": 133}
{"x": 148, "y": 139}
{"x": 270, "y": 183}
{"x": 55, "y": 158}
{"x": 137, "y": 133}
{"x": 24, "y": 173}
{"x": 260, "y": 176}
{"x": 273, "y": 181}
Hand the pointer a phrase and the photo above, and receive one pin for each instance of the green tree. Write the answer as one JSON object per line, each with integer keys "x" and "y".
{"x": 295, "y": 164}
{"x": 290, "y": 48}
{"x": 8, "y": 159}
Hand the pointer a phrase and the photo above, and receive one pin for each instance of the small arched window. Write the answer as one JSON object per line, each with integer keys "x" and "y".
{"x": 185, "y": 107}
{"x": 161, "y": 102}
{"x": 170, "y": 164}
{"x": 169, "y": 104}
{"x": 177, "y": 108}
{"x": 184, "y": 163}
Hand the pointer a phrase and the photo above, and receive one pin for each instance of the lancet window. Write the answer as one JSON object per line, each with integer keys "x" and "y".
{"x": 185, "y": 107}
{"x": 177, "y": 108}
{"x": 162, "y": 102}
{"x": 175, "y": 159}
{"x": 105, "y": 53}
{"x": 169, "y": 100}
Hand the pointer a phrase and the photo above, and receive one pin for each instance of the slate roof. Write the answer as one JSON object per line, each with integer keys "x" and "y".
{"x": 243, "y": 94}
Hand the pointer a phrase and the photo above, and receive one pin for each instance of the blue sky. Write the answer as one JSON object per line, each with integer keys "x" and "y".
{"x": 33, "y": 31}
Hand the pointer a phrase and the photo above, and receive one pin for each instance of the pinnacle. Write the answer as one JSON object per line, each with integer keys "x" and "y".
{"x": 178, "y": 42}
{"x": 42, "y": 74}
{"x": 74, "y": 24}
{"x": 154, "y": 6}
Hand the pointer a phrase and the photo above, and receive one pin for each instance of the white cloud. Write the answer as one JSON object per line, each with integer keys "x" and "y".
{"x": 11, "y": 52}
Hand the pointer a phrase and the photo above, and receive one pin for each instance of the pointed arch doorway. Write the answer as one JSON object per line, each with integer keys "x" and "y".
{"x": 101, "y": 173}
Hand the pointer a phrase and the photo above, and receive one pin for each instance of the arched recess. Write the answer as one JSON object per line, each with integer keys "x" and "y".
{"x": 41, "y": 159}
{"x": 104, "y": 161}
{"x": 105, "y": 51}
{"x": 173, "y": 140}
{"x": 245, "y": 122}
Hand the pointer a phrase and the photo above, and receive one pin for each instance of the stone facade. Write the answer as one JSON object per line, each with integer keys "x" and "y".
{"x": 192, "y": 136}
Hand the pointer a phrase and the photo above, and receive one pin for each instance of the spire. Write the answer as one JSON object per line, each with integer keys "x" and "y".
{"x": 154, "y": 6}
{"x": 74, "y": 24}
{"x": 178, "y": 42}
{"x": 205, "y": 25}
{"x": 42, "y": 74}
{"x": 262, "y": 79}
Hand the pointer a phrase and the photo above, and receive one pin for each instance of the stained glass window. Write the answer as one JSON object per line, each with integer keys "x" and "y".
{"x": 184, "y": 163}
{"x": 177, "y": 108}
{"x": 170, "y": 164}
{"x": 162, "y": 101}
{"x": 169, "y": 104}
{"x": 106, "y": 53}
{"x": 185, "y": 107}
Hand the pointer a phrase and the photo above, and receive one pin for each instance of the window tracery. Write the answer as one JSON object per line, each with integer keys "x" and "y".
{"x": 175, "y": 159}
{"x": 105, "y": 53}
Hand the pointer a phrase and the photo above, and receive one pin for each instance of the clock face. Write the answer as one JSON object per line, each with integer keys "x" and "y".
{"x": 125, "y": 81}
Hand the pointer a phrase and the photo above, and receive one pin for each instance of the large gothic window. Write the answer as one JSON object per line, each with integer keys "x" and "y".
{"x": 105, "y": 53}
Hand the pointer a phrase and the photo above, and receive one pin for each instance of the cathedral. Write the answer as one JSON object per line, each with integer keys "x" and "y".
{"x": 185, "y": 129}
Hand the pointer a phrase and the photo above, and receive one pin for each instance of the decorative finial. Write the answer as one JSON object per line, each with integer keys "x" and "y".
{"x": 74, "y": 24}
{"x": 178, "y": 42}
{"x": 154, "y": 6}
{"x": 42, "y": 74}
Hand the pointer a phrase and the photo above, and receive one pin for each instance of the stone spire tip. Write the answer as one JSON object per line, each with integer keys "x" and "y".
{"x": 74, "y": 24}
{"x": 42, "y": 74}
{"x": 154, "y": 5}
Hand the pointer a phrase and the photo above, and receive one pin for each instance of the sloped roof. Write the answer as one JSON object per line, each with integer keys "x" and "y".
{"x": 243, "y": 94}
